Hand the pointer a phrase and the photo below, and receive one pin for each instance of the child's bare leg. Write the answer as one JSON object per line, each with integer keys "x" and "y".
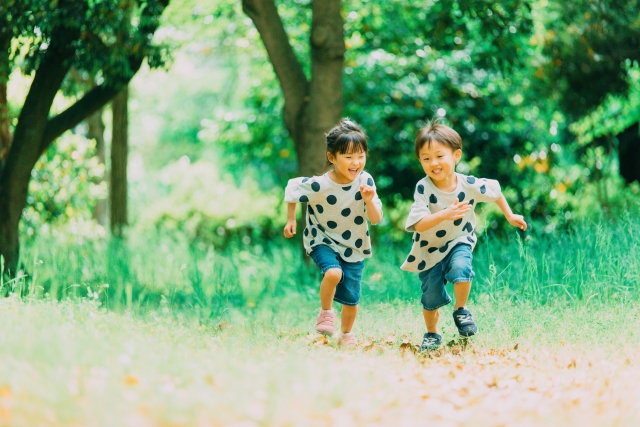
{"x": 348, "y": 318}
{"x": 431, "y": 320}
{"x": 328, "y": 287}
{"x": 461, "y": 290}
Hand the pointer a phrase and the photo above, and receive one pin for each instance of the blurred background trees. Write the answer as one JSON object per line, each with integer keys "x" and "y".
{"x": 545, "y": 94}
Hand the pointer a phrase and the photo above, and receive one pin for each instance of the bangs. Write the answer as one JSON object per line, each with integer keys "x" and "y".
{"x": 352, "y": 142}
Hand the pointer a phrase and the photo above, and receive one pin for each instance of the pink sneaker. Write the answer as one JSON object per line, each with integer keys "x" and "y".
{"x": 348, "y": 340}
{"x": 326, "y": 322}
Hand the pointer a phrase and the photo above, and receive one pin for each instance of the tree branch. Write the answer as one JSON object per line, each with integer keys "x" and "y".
{"x": 288, "y": 69}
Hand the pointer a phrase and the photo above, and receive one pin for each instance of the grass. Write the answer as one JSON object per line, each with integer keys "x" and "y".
{"x": 75, "y": 363}
{"x": 156, "y": 332}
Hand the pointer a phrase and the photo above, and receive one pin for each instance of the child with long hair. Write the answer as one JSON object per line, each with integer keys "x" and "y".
{"x": 336, "y": 235}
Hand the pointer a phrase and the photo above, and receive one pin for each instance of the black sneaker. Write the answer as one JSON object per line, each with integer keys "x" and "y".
{"x": 431, "y": 342}
{"x": 464, "y": 321}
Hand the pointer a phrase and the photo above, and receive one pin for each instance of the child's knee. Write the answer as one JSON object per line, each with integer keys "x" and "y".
{"x": 333, "y": 275}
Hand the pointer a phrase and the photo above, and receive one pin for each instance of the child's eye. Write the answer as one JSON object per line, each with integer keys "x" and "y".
{"x": 440, "y": 157}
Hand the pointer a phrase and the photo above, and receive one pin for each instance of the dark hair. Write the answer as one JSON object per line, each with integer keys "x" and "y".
{"x": 346, "y": 137}
{"x": 435, "y": 131}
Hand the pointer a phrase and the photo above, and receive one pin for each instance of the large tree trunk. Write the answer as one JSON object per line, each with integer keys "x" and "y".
{"x": 5, "y": 124}
{"x": 311, "y": 108}
{"x": 26, "y": 148}
{"x": 119, "y": 152}
{"x": 629, "y": 153}
{"x": 95, "y": 130}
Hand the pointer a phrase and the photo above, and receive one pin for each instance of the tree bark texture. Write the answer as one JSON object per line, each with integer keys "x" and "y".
{"x": 95, "y": 130}
{"x": 5, "y": 124}
{"x": 629, "y": 153}
{"x": 312, "y": 107}
{"x": 119, "y": 152}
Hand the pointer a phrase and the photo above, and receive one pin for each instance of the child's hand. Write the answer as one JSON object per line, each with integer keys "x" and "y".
{"x": 457, "y": 210}
{"x": 367, "y": 193}
{"x": 517, "y": 221}
{"x": 290, "y": 229}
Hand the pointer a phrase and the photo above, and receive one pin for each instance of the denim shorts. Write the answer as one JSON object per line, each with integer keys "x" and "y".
{"x": 454, "y": 268}
{"x": 348, "y": 289}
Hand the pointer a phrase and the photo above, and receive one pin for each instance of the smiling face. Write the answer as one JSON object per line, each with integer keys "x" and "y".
{"x": 438, "y": 161}
{"x": 347, "y": 166}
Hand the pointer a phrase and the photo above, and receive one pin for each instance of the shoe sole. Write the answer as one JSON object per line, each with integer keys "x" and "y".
{"x": 467, "y": 334}
{"x": 325, "y": 333}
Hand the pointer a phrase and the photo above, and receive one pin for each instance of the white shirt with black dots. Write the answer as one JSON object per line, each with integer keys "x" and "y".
{"x": 431, "y": 246}
{"x": 336, "y": 214}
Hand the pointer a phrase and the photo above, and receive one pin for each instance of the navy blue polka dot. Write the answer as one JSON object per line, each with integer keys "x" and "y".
{"x": 331, "y": 199}
{"x": 311, "y": 242}
{"x": 358, "y": 220}
{"x": 467, "y": 227}
{"x": 471, "y": 202}
{"x": 423, "y": 243}
{"x": 432, "y": 250}
{"x": 314, "y": 232}
{"x": 444, "y": 248}
{"x": 367, "y": 232}
{"x": 358, "y": 243}
{"x": 346, "y": 235}
{"x": 483, "y": 189}
{"x": 348, "y": 252}
{"x": 411, "y": 258}
{"x": 310, "y": 210}
{"x": 332, "y": 224}
{"x": 303, "y": 199}
{"x": 422, "y": 265}
{"x": 471, "y": 179}
{"x": 358, "y": 196}
{"x": 345, "y": 212}
{"x": 457, "y": 221}
{"x": 315, "y": 186}
{"x": 305, "y": 180}
{"x": 469, "y": 238}
{"x": 416, "y": 237}
{"x": 321, "y": 228}
{"x": 370, "y": 182}
{"x": 327, "y": 241}
{"x": 306, "y": 231}
{"x": 433, "y": 198}
{"x": 461, "y": 196}
{"x": 420, "y": 189}
{"x": 366, "y": 252}
{"x": 441, "y": 233}
{"x": 346, "y": 188}
{"x": 319, "y": 208}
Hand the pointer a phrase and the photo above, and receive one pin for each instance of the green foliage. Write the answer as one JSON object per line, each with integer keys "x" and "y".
{"x": 65, "y": 185}
{"x": 207, "y": 208}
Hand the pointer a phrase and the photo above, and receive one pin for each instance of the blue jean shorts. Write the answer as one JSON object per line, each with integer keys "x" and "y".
{"x": 454, "y": 268}
{"x": 348, "y": 289}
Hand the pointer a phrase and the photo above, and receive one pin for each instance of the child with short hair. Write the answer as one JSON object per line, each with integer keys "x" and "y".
{"x": 443, "y": 221}
{"x": 336, "y": 233}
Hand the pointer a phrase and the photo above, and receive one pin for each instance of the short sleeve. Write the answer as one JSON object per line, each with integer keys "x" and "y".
{"x": 300, "y": 190}
{"x": 376, "y": 200}
{"x": 419, "y": 208}
{"x": 488, "y": 190}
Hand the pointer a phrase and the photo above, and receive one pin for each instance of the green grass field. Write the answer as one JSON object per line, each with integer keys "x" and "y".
{"x": 189, "y": 336}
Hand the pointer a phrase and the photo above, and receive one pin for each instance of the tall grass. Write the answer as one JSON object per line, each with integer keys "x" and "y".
{"x": 587, "y": 261}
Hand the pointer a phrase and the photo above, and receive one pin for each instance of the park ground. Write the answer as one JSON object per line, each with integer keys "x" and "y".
{"x": 72, "y": 363}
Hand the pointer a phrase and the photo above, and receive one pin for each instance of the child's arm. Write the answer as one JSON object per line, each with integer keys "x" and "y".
{"x": 515, "y": 220}
{"x": 373, "y": 212}
{"x": 456, "y": 210}
{"x": 290, "y": 228}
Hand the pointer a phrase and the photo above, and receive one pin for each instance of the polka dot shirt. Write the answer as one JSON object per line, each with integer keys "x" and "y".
{"x": 432, "y": 245}
{"x": 336, "y": 214}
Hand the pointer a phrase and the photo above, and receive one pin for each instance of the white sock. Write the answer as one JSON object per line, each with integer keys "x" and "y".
{"x": 327, "y": 311}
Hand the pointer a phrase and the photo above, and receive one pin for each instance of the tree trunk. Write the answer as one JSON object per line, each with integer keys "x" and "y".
{"x": 119, "y": 151}
{"x": 26, "y": 148}
{"x": 95, "y": 130}
{"x": 5, "y": 124}
{"x": 311, "y": 108}
{"x": 629, "y": 153}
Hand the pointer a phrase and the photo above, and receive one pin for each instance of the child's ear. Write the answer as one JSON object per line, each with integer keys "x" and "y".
{"x": 330, "y": 157}
{"x": 457, "y": 155}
